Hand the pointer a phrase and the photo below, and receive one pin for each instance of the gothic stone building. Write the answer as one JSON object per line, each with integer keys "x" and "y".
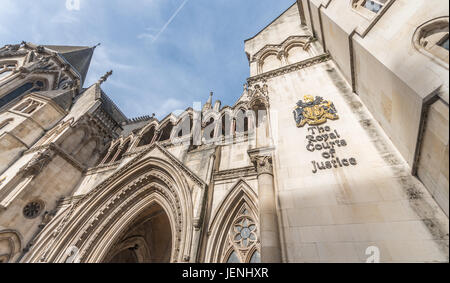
{"x": 336, "y": 151}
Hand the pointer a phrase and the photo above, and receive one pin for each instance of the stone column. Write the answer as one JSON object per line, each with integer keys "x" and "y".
{"x": 268, "y": 220}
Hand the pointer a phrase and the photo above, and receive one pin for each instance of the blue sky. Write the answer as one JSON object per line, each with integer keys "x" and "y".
{"x": 156, "y": 69}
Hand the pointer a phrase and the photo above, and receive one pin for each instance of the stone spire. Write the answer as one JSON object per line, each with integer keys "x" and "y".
{"x": 208, "y": 104}
{"x": 79, "y": 57}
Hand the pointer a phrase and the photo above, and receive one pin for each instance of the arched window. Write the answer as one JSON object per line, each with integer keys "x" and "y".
{"x": 432, "y": 39}
{"x": 233, "y": 258}
{"x": 6, "y": 69}
{"x": 28, "y": 107}
{"x": 33, "y": 106}
{"x": 185, "y": 127}
{"x": 256, "y": 257}
{"x": 243, "y": 239}
{"x": 123, "y": 150}
{"x": 226, "y": 125}
{"x": 369, "y": 7}
{"x": 166, "y": 132}
{"x": 147, "y": 138}
{"x": 209, "y": 129}
{"x": 22, "y": 90}
{"x": 110, "y": 155}
{"x": 241, "y": 125}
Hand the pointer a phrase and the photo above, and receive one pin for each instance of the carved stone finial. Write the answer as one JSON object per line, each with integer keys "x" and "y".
{"x": 210, "y": 97}
{"x": 105, "y": 77}
{"x": 40, "y": 49}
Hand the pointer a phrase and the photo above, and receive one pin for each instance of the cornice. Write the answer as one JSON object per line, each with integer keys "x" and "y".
{"x": 60, "y": 152}
{"x": 235, "y": 173}
{"x": 289, "y": 68}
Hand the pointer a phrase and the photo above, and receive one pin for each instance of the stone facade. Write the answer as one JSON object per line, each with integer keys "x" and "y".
{"x": 363, "y": 167}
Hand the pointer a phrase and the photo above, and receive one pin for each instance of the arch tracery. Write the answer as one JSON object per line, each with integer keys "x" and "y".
{"x": 234, "y": 230}
{"x": 103, "y": 214}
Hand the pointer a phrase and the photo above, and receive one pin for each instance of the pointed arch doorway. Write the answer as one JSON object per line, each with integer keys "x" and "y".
{"x": 148, "y": 239}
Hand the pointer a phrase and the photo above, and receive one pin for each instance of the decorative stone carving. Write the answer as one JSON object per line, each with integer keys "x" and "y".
{"x": 37, "y": 163}
{"x": 105, "y": 77}
{"x": 257, "y": 91}
{"x": 33, "y": 209}
{"x": 9, "y": 50}
{"x": 263, "y": 164}
{"x": 290, "y": 68}
{"x": 242, "y": 236}
{"x": 243, "y": 233}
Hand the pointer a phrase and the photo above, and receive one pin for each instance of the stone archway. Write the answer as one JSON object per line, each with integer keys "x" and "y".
{"x": 147, "y": 240}
{"x": 90, "y": 229}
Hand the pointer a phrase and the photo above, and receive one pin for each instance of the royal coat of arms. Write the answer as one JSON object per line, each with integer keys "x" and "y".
{"x": 314, "y": 111}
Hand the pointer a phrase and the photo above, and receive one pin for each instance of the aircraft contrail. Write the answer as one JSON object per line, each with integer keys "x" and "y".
{"x": 170, "y": 20}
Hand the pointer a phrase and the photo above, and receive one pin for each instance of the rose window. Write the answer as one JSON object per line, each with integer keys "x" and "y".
{"x": 33, "y": 209}
{"x": 244, "y": 233}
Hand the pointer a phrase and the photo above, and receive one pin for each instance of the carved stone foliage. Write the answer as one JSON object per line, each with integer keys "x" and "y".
{"x": 258, "y": 91}
{"x": 37, "y": 163}
{"x": 263, "y": 164}
{"x": 258, "y": 94}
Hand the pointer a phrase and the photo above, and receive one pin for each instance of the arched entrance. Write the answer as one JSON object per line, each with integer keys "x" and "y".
{"x": 144, "y": 212}
{"x": 147, "y": 240}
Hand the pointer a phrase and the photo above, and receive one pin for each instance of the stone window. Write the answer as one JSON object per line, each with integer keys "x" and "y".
{"x": 33, "y": 209}
{"x": 123, "y": 150}
{"x": 241, "y": 122}
{"x": 432, "y": 39}
{"x": 166, "y": 132}
{"x": 6, "y": 69}
{"x": 25, "y": 88}
{"x": 243, "y": 239}
{"x": 233, "y": 258}
{"x": 209, "y": 129}
{"x": 444, "y": 42}
{"x": 148, "y": 137}
{"x": 28, "y": 107}
{"x": 369, "y": 8}
{"x": 112, "y": 153}
{"x": 226, "y": 125}
{"x": 185, "y": 127}
{"x": 375, "y": 5}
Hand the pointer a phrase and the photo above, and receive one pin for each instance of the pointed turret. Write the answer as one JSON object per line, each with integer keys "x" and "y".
{"x": 79, "y": 57}
{"x": 208, "y": 104}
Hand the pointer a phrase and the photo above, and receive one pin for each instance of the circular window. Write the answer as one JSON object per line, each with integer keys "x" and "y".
{"x": 244, "y": 233}
{"x": 33, "y": 209}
